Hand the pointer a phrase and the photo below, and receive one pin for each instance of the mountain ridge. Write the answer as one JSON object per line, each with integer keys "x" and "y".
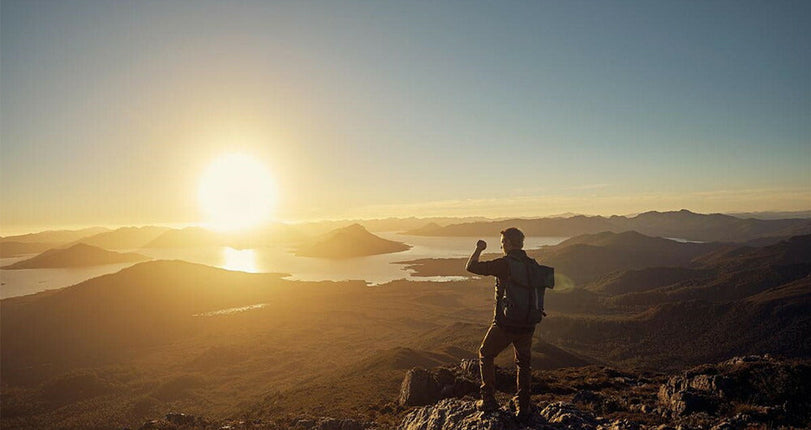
{"x": 682, "y": 224}
{"x": 76, "y": 255}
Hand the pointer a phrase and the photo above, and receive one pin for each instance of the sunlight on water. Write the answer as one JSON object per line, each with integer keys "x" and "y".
{"x": 440, "y": 278}
{"x": 375, "y": 269}
{"x": 242, "y": 260}
{"x": 230, "y": 311}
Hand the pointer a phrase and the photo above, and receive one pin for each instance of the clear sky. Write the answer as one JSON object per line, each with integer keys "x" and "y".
{"x": 111, "y": 111}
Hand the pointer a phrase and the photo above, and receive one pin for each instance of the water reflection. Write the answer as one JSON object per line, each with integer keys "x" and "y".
{"x": 230, "y": 311}
{"x": 375, "y": 269}
{"x": 242, "y": 260}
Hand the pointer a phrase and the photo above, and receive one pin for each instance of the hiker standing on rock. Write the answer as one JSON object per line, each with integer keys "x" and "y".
{"x": 520, "y": 286}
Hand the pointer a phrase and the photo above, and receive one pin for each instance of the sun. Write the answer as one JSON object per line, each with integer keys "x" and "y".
{"x": 236, "y": 192}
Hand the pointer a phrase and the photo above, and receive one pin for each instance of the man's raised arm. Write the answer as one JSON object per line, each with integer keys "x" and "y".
{"x": 474, "y": 258}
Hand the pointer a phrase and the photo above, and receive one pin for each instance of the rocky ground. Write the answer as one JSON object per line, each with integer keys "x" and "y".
{"x": 751, "y": 392}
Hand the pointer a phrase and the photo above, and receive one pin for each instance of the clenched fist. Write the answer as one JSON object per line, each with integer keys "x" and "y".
{"x": 481, "y": 245}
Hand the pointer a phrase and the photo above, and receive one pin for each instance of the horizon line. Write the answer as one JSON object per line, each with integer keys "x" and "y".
{"x": 23, "y": 229}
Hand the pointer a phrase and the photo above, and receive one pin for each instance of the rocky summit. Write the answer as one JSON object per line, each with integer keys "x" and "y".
{"x": 740, "y": 393}
{"x": 749, "y": 392}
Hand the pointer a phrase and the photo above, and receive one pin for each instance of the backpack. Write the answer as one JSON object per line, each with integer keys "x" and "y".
{"x": 521, "y": 296}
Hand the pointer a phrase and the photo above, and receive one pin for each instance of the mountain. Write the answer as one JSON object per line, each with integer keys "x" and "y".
{"x": 426, "y": 230}
{"x": 14, "y": 249}
{"x": 348, "y": 242}
{"x": 588, "y": 257}
{"x": 607, "y": 272}
{"x": 75, "y": 256}
{"x": 773, "y": 215}
{"x": 124, "y": 237}
{"x": 58, "y": 237}
{"x": 794, "y": 250}
{"x": 681, "y": 224}
{"x": 112, "y": 315}
{"x": 640, "y": 280}
{"x": 712, "y": 227}
{"x": 728, "y": 274}
{"x": 188, "y": 237}
{"x": 727, "y": 302}
{"x": 384, "y": 224}
{"x": 683, "y": 333}
{"x": 573, "y": 226}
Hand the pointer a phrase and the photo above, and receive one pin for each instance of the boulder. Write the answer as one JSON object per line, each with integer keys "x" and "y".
{"x": 567, "y": 416}
{"x": 505, "y": 378}
{"x": 422, "y": 387}
{"x": 678, "y": 397}
{"x": 760, "y": 383}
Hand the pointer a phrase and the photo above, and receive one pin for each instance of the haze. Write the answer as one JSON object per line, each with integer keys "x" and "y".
{"x": 112, "y": 111}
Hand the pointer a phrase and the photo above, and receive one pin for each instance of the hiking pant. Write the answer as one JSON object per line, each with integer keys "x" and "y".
{"x": 495, "y": 341}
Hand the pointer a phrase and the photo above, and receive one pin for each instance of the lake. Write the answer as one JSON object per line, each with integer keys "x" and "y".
{"x": 375, "y": 269}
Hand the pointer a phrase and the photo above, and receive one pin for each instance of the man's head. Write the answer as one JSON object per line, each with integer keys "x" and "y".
{"x": 511, "y": 238}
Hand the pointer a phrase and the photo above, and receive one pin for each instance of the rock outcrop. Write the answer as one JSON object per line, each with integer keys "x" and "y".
{"x": 769, "y": 389}
{"x": 752, "y": 392}
{"x": 740, "y": 393}
{"x": 462, "y": 415}
{"x": 422, "y": 387}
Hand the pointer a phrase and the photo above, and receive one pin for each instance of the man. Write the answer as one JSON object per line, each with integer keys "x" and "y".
{"x": 503, "y": 331}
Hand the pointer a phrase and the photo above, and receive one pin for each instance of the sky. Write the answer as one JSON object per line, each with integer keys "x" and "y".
{"x": 110, "y": 112}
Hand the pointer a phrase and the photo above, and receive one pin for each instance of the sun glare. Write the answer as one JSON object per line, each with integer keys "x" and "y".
{"x": 236, "y": 192}
{"x": 242, "y": 260}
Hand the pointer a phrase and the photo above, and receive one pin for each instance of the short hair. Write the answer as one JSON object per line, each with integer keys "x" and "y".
{"x": 515, "y": 236}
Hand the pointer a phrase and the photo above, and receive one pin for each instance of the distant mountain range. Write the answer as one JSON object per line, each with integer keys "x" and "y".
{"x": 586, "y": 258}
{"x": 55, "y": 236}
{"x": 682, "y": 224}
{"x": 125, "y": 237}
{"x": 773, "y": 214}
{"x": 12, "y": 246}
{"x": 758, "y": 229}
{"x": 188, "y": 237}
{"x": 14, "y": 249}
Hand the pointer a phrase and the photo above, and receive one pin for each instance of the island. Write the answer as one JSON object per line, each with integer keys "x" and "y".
{"x": 75, "y": 256}
{"x": 348, "y": 242}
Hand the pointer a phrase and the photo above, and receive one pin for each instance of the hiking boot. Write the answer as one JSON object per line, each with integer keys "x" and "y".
{"x": 522, "y": 412}
{"x": 523, "y": 416}
{"x": 487, "y": 404}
